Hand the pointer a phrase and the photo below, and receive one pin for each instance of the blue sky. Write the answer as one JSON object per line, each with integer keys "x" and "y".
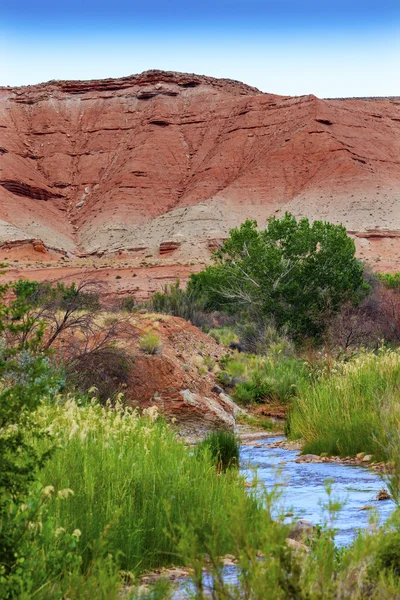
{"x": 329, "y": 48}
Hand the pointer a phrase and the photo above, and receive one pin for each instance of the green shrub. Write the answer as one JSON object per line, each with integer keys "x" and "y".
{"x": 390, "y": 280}
{"x": 129, "y": 304}
{"x": 224, "y": 335}
{"x": 224, "y": 448}
{"x": 259, "y": 379}
{"x": 173, "y": 300}
{"x": 232, "y": 374}
{"x": 209, "y": 362}
{"x": 150, "y": 343}
{"x": 388, "y": 555}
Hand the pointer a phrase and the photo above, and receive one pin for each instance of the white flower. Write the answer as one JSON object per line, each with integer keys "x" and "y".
{"x": 48, "y": 490}
{"x": 76, "y": 533}
{"x": 151, "y": 412}
{"x": 65, "y": 493}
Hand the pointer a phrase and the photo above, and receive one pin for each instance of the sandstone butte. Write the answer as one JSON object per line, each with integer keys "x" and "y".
{"x": 145, "y": 174}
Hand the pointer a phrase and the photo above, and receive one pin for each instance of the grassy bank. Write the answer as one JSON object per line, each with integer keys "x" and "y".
{"x": 351, "y": 409}
{"x": 132, "y": 478}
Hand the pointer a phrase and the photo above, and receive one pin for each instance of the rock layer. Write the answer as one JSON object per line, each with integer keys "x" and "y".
{"x": 165, "y": 163}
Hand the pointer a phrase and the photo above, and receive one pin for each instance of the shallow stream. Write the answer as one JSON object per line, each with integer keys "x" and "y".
{"x": 303, "y": 488}
{"x": 303, "y": 492}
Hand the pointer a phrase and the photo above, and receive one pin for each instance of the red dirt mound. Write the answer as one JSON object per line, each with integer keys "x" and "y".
{"x": 179, "y": 379}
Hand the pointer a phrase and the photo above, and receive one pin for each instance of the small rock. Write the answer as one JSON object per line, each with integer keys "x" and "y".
{"x": 308, "y": 458}
{"x": 217, "y": 390}
{"x": 367, "y": 458}
{"x": 383, "y": 495}
{"x": 229, "y": 560}
{"x": 302, "y": 530}
{"x": 360, "y": 455}
{"x": 297, "y": 545}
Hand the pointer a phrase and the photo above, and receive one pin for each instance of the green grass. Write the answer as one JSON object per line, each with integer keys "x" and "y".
{"x": 150, "y": 343}
{"x": 350, "y": 410}
{"x": 136, "y": 485}
{"x": 263, "y": 379}
{"x": 224, "y": 335}
{"x": 224, "y": 449}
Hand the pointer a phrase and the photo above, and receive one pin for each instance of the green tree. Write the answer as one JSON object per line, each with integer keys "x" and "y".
{"x": 296, "y": 272}
{"x": 26, "y": 377}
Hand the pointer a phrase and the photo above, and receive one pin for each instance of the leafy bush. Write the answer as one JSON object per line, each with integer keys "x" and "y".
{"x": 224, "y": 448}
{"x": 150, "y": 343}
{"x": 295, "y": 272}
{"x": 390, "y": 280}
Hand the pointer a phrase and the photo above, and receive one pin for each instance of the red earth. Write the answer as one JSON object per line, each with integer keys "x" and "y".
{"x": 143, "y": 175}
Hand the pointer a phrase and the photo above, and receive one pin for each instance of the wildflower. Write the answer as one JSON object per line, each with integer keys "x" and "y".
{"x": 76, "y": 533}
{"x": 151, "y": 412}
{"x": 48, "y": 490}
{"x": 74, "y": 429}
{"x": 65, "y": 493}
{"x": 59, "y": 531}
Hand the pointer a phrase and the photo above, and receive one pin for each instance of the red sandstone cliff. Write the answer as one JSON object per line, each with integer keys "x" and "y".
{"x": 163, "y": 164}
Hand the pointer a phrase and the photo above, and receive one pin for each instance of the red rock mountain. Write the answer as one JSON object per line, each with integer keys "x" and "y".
{"x": 162, "y": 165}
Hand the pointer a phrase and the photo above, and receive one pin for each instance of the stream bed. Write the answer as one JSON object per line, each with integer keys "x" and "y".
{"x": 302, "y": 487}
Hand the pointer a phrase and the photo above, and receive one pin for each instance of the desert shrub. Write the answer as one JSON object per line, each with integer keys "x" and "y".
{"x": 262, "y": 337}
{"x": 233, "y": 372}
{"x": 129, "y": 304}
{"x": 224, "y": 335}
{"x": 223, "y": 447}
{"x": 390, "y": 280}
{"x": 105, "y": 368}
{"x": 209, "y": 362}
{"x": 150, "y": 343}
{"x": 173, "y": 300}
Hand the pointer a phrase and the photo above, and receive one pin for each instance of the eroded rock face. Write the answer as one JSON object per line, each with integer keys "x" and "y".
{"x": 170, "y": 162}
{"x": 176, "y": 380}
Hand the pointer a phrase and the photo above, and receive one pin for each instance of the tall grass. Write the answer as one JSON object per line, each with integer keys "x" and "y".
{"x": 347, "y": 412}
{"x": 136, "y": 485}
{"x": 224, "y": 448}
{"x": 255, "y": 378}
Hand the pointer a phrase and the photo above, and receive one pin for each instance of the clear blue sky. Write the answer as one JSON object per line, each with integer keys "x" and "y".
{"x": 329, "y": 48}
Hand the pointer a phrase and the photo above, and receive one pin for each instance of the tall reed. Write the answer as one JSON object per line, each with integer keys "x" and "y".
{"x": 136, "y": 485}
{"x": 342, "y": 413}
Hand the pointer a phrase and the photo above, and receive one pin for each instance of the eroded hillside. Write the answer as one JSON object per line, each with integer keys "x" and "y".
{"x": 159, "y": 166}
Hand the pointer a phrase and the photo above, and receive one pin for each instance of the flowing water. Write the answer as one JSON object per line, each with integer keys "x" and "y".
{"x": 303, "y": 488}
{"x": 303, "y": 493}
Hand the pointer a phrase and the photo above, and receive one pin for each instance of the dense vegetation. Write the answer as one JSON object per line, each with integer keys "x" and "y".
{"x": 297, "y": 273}
{"x": 93, "y": 494}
